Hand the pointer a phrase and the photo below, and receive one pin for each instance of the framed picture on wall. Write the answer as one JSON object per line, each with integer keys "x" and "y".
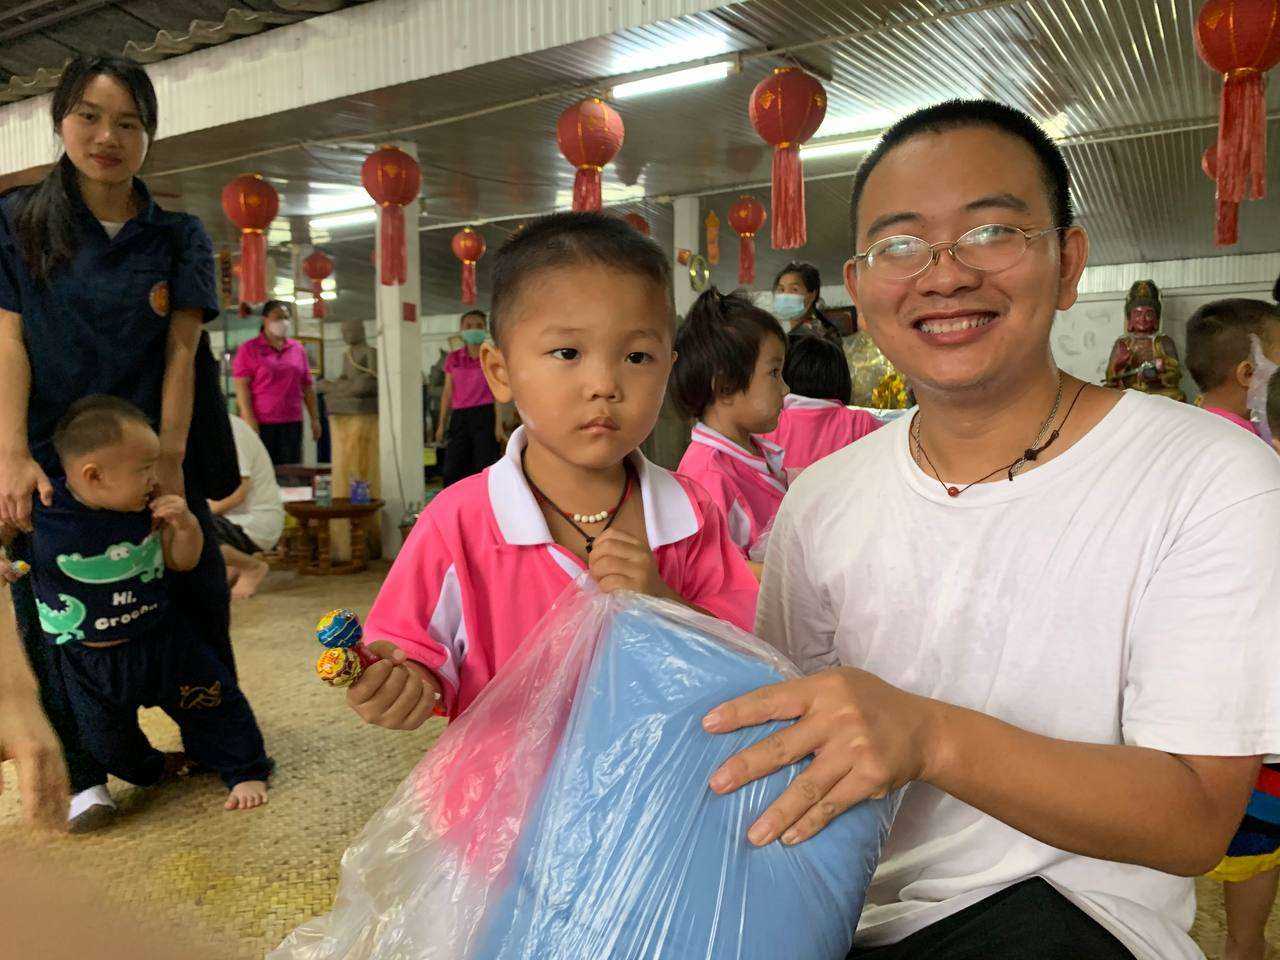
{"x": 315, "y": 354}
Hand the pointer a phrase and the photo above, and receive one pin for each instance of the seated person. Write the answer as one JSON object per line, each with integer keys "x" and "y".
{"x": 251, "y": 520}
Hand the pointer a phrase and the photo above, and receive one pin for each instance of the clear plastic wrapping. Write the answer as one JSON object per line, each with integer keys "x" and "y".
{"x": 566, "y": 815}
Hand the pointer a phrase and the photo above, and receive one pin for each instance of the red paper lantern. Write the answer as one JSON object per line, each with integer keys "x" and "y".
{"x": 1241, "y": 40}
{"x": 393, "y": 180}
{"x": 786, "y": 108}
{"x": 251, "y": 204}
{"x": 640, "y": 224}
{"x": 468, "y": 246}
{"x": 590, "y": 134}
{"x": 747, "y": 216}
{"x": 317, "y": 267}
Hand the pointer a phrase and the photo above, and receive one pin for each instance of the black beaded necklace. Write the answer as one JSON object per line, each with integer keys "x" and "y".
{"x": 1030, "y": 455}
{"x": 573, "y": 518}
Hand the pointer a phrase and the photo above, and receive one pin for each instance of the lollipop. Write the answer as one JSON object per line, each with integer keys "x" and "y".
{"x": 339, "y": 667}
{"x": 21, "y": 567}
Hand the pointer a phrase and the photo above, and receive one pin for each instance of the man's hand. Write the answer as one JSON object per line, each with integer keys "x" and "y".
{"x": 316, "y": 430}
{"x": 394, "y": 692}
{"x": 621, "y": 562}
{"x": 172, "y": 512}
{"x": 867, "y": 738}
{"x": 20, "y": 477}
{"x": 27, "y": 738}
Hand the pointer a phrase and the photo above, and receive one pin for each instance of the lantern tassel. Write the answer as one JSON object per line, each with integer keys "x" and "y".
{"x": 1242, "y": 150}
{"x": 253, "y": 266}
{"x": 586, "y": 189}
{"x": 317, "y": 309}
{"x": 469, "y": 282}
{"x": 391, "y": 239}
{"x": 789, "y": 227}
{"x": 747, "y": 260}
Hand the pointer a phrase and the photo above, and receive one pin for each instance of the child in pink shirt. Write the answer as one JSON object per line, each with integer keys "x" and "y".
{"x": 816, "y": 420}
{"x": 1220, "y": 354}
{"x": 582, "y": 327}
{"x": 728, "y": 378}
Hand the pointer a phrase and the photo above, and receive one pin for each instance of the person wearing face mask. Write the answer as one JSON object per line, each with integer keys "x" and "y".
{"x": 104, "y": 292}
{"x": 795, "y": 302}
{"x": 469, "y": 424}
{"x": 273, "y": 380}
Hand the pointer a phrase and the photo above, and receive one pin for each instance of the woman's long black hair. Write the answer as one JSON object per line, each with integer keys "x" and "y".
{"x": 46, "y": 225}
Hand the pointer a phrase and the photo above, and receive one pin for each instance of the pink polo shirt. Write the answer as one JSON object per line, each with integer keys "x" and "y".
{"x": 470, "y": 388}
{"x": 480, "y": 569}
{"x": 1235, "y": 418}
{"x": 277, "y": 378}
{"x": 747, "y": 488}
{"x": 810, "y": 429}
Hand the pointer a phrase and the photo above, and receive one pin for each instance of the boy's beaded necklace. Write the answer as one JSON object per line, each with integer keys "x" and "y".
{"x": 574, "y": 519}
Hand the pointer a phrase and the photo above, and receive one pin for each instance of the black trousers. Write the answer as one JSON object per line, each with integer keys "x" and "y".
{"x": 171, "y": 669}
{"x": 201, "y": 593}
{"x": 283, "y": 441}
{"x": 1027, "y": 921}
{"x": 470, "y": 445}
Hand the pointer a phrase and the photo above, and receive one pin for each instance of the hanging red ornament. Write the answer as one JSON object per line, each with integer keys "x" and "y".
{"x": 1227, "y": 217}
{"x": 468, "y": 246}
{"x": 640, "y": 223}
{"x": 393, "y": 180}
{"x": 1241, "y": 40}
{"x": 317, "y": 267}
{"x": 747, "y": 216}
{"x": 251, "y": 204}
{"x": 786, "y": 108}
{"x": 590, "y": 134}
{"x": 712, "y": 224}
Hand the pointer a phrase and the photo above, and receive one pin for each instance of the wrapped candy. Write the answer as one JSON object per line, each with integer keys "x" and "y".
{"x": 21, "y": 567}
{"x": 339, "y": 667}
{"x": 340, "y": 629}
{"x": 566, "y": 814}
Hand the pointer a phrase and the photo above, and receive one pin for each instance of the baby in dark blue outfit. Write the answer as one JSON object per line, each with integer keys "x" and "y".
{"x": 100, "y": 552}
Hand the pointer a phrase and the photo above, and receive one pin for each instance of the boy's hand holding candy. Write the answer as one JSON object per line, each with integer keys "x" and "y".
{"x": 394, "y": 692}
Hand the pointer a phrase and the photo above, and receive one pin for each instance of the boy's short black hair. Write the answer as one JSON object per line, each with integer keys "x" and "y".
{"x": 957, "y": 114}
{"x": 570, "y": 239}
{"x": 275, "y": 305}
{"x": 1218, "y": 337}
{"x": 817, "y": 368}
{"x": 717, "y": 348}
{"x": 1273, "y": 404}
{"x": 92, "y": 423}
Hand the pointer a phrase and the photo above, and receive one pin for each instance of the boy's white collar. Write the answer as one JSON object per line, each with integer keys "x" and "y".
{"x": 669, "y": 515}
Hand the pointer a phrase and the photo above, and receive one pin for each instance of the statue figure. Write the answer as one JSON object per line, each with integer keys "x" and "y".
{"x": 1145, "y": 359}
{"x": 356, "y": 391}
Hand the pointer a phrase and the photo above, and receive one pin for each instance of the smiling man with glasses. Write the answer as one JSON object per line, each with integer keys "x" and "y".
{"x": 1047, "y": 609}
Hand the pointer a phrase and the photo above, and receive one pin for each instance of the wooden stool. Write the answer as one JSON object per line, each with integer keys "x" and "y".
{"x": 312, "y": 548}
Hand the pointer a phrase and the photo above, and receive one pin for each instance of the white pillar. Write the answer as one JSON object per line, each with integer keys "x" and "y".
{"x": 687, "y": 236}
{"x": 400, "y": 383}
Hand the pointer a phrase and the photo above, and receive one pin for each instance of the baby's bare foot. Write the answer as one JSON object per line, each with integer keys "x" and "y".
{"x": 247, "y": 795}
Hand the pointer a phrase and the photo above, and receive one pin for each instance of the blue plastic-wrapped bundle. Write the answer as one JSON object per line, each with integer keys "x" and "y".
{"x": 566, "y": 815}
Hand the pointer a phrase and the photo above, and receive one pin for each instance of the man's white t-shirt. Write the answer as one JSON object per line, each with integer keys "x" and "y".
{"x": 1127, "y": 591}
{"x": 261, "y": 515}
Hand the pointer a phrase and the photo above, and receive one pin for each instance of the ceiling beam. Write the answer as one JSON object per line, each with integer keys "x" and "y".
{"x": 49, "y": 19}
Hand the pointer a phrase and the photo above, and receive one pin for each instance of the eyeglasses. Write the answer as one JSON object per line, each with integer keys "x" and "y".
{"x": 989, "y": 249}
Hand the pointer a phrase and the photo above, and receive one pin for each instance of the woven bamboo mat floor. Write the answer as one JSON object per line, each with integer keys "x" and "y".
{"x": 248, "y": 878}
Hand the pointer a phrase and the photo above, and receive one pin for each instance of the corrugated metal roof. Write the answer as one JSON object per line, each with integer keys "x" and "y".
{"x": 1119, "y": 82}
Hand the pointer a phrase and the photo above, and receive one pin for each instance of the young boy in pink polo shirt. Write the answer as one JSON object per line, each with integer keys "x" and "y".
{"x": 728, "y": 378}
{"x": 816, "y": 420}
{"x": 1220, "y": 353}
{"x": 582, "y": 326}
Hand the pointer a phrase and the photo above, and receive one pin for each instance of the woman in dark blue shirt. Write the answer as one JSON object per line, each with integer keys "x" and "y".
{"x": 101, "y": 291}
